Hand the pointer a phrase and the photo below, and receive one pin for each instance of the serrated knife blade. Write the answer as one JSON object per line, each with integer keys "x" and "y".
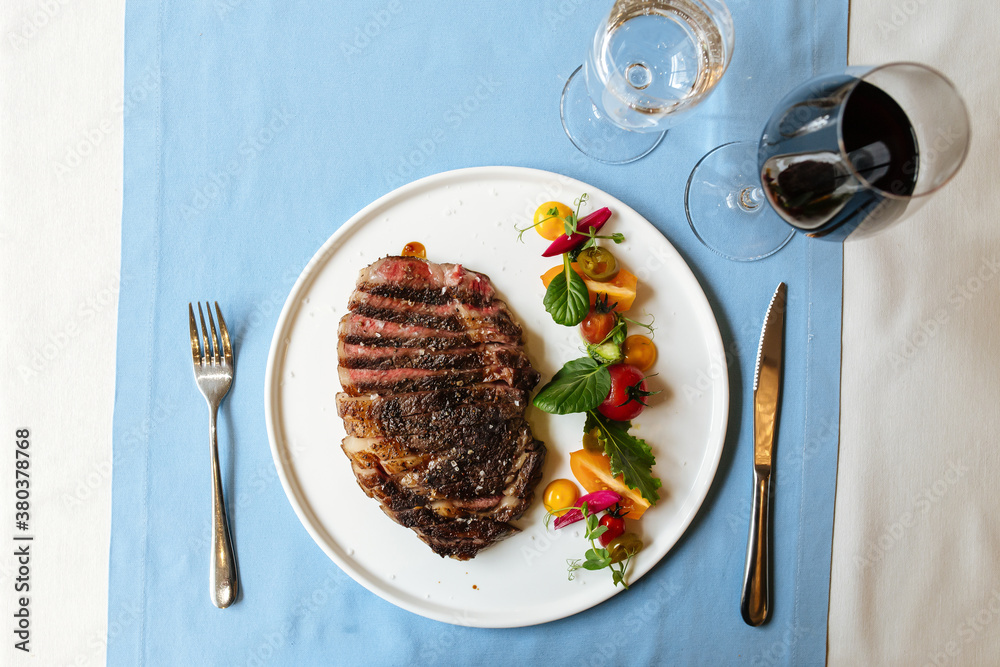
{"x": 755, "y": 603}
{"x": 767, "y": 380}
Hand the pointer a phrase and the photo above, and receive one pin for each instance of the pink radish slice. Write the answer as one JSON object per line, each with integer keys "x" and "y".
{"x": 598, "y": 501}
{"x": 565, "y": 243}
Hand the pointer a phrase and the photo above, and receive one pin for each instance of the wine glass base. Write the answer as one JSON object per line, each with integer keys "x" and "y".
{"x": 593, "y": 133}
{"x": 727, "y": 209}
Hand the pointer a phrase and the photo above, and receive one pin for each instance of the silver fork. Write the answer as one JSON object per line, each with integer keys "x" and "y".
{"x": 213, "y": 371}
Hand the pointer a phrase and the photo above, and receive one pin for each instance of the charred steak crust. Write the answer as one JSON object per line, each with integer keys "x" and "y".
{"x": 358, "y": 356}
{"x": 393, "y": 406}
{"x": 358, "y": 381}
{"x": 357, "y": 329}
{"x": 436, "y": 383}
{"x": 453, "y": 316}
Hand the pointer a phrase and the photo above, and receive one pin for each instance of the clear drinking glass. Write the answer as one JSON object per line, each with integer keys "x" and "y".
{"x": 650, "y": 63}
{"x": 843, "y": 155}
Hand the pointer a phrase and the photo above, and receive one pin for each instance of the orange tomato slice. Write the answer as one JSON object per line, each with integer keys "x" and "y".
{"x": 621, "y": 289}
{"x": 593, "y": 471}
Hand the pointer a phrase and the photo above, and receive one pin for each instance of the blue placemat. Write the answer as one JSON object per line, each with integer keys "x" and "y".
{"x": 252, "y": 131}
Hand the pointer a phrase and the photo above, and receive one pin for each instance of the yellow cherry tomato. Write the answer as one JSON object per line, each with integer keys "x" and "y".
{"x": 640, "y": 352}
{"x": 415, "y": 249}
{"x": 551, "y": 225}
{"x": 560, "y": 495}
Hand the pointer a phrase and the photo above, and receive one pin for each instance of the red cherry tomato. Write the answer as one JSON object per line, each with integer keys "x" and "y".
{"x": 597, "y": 325}
{"x": 615, "y": 527}
{"x": 627, "y": 397}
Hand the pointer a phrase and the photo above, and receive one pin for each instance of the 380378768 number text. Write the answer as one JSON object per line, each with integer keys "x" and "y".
{"x": 22, "y": 480}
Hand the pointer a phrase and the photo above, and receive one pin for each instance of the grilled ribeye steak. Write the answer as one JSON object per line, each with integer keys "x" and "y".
{"x": 436, "y": 383}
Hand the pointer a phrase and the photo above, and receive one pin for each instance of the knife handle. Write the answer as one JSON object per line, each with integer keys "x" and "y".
{"x": 755, "y": 603}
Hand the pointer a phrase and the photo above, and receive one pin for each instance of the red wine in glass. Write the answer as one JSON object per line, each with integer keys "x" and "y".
{"x": 842, "y": 156}
{"x": 829, "y": 192}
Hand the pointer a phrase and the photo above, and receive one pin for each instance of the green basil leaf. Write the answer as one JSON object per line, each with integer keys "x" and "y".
{"x": 630, "y": 457}
{"x": 579, "y": 386}
{"x": 567, "y": 298}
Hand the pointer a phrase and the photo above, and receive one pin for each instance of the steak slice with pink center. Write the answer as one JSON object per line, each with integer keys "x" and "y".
{"x": 357, "y": 329}
{"x": 452, "y": 316}
{"x": 419, "y": 280}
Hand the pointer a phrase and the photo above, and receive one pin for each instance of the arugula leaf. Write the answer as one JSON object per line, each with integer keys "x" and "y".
{"x": 567, "y": 298}
{"x": 580, "y": 385}
{"x": 630, "y": 457}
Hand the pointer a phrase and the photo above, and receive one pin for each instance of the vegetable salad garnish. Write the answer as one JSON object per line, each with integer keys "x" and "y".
{"x": 592, "y": 289}
{"x": 617, "y": 546}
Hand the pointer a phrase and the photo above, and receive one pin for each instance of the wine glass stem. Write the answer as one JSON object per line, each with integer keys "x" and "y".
{"x": 748, "y": 199}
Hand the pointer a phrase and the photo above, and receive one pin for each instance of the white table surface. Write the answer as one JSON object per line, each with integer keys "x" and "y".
{"x": 916, "y": 549}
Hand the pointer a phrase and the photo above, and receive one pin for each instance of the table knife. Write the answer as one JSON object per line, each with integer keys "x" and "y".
{"x": 755, "y": 603}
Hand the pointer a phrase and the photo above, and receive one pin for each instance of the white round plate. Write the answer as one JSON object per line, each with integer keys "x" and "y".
{"x": 468, "y": 216}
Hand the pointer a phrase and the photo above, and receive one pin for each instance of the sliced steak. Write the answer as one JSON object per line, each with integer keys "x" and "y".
{"x": 436, "y": 383}
{"x": 357, "y": 381}
{"x": 357, "y": 329}
{"x": 418, "y": 280}
{"x": 385, "y": 358}
{"x": 447, "y": 419}
{"x": 482, "y": 481}
{"x": 480, "y": 435}
{"x": 393, "y": 406}
{"x": 453, "y": 316}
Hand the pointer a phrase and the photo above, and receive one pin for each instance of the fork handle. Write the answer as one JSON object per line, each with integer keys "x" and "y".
{"x": 223, "y": 577}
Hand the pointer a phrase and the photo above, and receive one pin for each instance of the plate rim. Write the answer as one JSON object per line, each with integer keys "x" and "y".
{"x": 274, "y": 359}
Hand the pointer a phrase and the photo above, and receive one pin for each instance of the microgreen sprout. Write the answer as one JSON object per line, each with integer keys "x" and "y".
{"x": 598, "y": 558}
{"x": 648, "y": 327}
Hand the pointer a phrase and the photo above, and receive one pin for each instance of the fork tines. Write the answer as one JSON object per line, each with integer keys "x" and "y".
{"x": 202, "y": 352}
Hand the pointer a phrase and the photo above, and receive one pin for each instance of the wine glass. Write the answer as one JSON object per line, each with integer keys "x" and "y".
{"x": 843, "y": 155}
{"x": 650, "y": 63}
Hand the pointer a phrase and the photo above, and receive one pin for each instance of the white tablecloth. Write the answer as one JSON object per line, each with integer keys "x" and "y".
{"x": 916, "y": 542}
{"x": 61, "y": 72}
{"x": 916, "y": 572}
